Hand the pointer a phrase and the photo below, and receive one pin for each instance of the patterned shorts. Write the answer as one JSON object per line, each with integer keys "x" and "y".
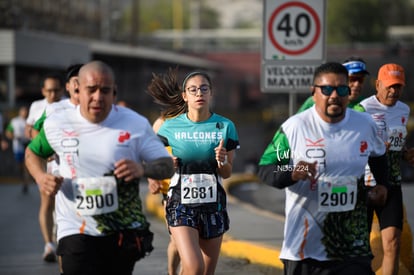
{"x": 209, "y": 221}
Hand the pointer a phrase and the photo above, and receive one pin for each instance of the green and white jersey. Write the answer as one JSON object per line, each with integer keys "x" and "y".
{"x": 36, "y": 110}
{"x": 63, "y": 104}
{"x": 392, "y": 128}
{"x": 325, "y": 219}
{"x": 16, "y": 126}
{"x": 87, "y": 202}
{"x": 55, "y": 106}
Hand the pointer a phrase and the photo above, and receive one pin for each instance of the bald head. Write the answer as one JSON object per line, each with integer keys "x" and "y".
{"x": 96, "y": 67}
{"x": 96, "y": 90}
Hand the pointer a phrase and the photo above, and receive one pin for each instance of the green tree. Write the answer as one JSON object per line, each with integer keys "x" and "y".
{"x": 355, "y": 21}
{"x": 158, "y": 15}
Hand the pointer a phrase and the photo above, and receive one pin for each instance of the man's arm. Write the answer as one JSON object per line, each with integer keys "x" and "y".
{"x": 35, "y": 164}
{"x": 129, "y": 170}
{"x": 36, "y": 155}
{"x": 278, "y": 179}
{"x": 276, "y": 155}
{"x": 159, "y": 169}
{"x": 379, "y": 167}
{"x": 48, "y": 183}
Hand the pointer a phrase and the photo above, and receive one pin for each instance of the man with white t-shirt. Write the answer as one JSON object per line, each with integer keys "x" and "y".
{"x": 47, "y": 205}
{"x": 319, "y": 156}
{"x": 103, "y": 151}
{"x": 72, "y": 101}
{"x": 52, "y": 91}
{"x": 15, "y": 132}
{"x": 391, "y": 116}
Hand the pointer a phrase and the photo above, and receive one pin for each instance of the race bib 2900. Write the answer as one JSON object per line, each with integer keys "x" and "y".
{"x": 94, "y": 196}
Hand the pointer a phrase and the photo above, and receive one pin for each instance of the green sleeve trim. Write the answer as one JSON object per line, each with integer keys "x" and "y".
{"x": 307, "y": 104}
{"x": 278, "y": 151}
{"x": 10, "y": 128}
{"x": 39, "y": 123}
{"x": 358, "y": 107}
{"x": 40, "y": 146}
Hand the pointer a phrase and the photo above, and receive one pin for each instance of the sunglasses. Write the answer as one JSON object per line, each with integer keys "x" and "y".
{"x": 341, "y": 90}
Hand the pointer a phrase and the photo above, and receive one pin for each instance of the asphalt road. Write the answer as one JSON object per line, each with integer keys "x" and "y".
{"x": 21, "y": 243}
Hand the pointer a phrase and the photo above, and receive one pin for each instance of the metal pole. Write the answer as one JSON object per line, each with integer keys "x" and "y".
{"x": 292, "y": 102}
{"x": 11, "y": 83}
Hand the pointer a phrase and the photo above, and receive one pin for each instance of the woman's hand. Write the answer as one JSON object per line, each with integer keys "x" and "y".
{"x": 221, "y": 154}
{"x": 154, "y": 186}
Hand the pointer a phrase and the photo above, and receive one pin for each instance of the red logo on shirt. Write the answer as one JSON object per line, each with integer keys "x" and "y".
{"x": 123, "y": 136}
{"x": 363, "y": 147}
{"x": 403, "y": 120}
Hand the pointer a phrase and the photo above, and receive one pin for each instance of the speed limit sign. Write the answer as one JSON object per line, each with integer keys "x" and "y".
{"x": 294, "y": 30}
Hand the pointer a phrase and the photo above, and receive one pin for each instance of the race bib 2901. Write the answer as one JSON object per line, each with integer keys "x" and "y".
{"x": 337, "y": 194}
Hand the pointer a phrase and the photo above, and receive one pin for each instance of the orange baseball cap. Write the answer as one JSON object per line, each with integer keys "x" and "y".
{"x": 391, "y": 74}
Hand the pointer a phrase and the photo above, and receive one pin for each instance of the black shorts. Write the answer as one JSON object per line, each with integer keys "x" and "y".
{"x": 89, "y": 255}
{"x": 360, "y": 266}
{"x": 209, "y": 221}
{"x": 391, "y": 214}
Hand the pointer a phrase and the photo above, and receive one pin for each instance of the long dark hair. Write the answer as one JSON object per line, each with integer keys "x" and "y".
{"x": 166, "y": 92}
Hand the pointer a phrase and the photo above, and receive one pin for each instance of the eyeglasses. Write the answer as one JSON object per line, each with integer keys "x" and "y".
{"x": 327, "y": 90}
{"x": 53, "y": 90}
{"x": 204, "y": 89}
{"x": 360, "y": 79}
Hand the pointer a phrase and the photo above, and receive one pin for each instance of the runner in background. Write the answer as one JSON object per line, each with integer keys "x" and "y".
{"x": 52, "y": 90}
{"x": 391, "y": 116}
{"x": 15, "y": 132}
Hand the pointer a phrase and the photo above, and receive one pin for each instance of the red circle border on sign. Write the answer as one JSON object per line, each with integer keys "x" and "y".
{"x": 315, "y": 38}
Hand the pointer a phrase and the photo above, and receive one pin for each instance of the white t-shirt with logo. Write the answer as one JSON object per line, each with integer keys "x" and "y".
{"x": 87, "y": 203}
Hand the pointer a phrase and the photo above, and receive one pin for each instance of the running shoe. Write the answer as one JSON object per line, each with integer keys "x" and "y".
{"x": 49, "y": 255}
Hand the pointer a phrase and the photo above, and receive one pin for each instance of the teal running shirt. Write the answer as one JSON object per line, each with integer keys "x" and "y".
{"x": 195, "y": 141}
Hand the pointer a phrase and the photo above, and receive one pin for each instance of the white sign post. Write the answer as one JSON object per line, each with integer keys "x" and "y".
{"x": 294, "y": 44}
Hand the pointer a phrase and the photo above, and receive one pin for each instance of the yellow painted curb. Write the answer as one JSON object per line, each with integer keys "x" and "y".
{"x": 154, "y": 205}
{"x": 257, "y": 254}
{"x": 254, "y": 253}
{"x": 406, "y": 264}
{"x": 237, "y": 179}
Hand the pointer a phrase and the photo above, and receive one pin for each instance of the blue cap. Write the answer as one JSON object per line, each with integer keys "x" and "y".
{"x": 355, "y": 67}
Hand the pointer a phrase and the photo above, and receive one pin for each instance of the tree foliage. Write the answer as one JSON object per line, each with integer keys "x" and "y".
{"x": 353, "y": 21}
{"x": 158, "y": 15}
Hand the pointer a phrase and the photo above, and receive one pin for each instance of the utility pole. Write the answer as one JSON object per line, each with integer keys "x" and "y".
{"x": 177, "y": 17}
{"x": 134, "y": 34}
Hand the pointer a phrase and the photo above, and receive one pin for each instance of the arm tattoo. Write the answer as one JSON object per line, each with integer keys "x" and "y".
{"x": 161, "y": 168}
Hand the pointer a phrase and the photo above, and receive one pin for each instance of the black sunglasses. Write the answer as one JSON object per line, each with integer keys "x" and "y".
{"x": 327, "y": 90}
